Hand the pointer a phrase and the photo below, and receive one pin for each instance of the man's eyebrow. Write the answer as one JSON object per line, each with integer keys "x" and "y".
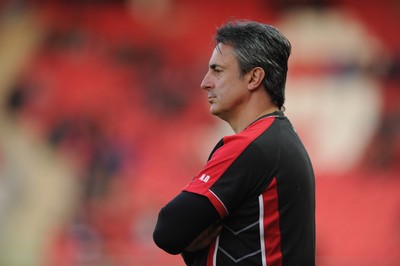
{"x": 214, "y": 66}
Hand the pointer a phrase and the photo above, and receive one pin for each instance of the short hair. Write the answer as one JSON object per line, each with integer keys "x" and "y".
{"x": 259, "y": 45}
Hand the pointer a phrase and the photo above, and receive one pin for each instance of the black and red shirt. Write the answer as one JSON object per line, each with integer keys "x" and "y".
{"x": 260, "y": 184}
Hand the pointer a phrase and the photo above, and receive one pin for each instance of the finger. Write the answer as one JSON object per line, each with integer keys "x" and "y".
{"x": 215, "y": 231}
{"x": 205, "y": 238}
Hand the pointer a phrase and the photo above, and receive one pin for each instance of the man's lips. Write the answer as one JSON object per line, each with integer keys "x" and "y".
{"x": 211, "y": 98}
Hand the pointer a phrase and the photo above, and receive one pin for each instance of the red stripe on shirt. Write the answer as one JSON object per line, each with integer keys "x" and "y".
{"x": 222, "y": 158}
{"x": 272, "y": 233}
{"x": 217, "y": 203}
{"x": 211, "y": 252}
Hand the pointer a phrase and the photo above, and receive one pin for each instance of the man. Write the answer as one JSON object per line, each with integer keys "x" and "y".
{"x": 253, "y": 203}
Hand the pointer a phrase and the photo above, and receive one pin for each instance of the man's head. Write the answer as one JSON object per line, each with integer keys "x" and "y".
{"x": 259, "y": 45}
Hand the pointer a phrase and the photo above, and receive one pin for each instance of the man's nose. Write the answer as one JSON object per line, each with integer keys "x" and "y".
{"x": 206, "y": 83}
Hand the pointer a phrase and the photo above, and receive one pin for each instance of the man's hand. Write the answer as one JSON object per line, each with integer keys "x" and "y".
{"x": 205, "y": 238}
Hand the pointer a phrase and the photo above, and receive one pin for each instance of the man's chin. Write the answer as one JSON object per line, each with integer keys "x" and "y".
{"x": 217, "y": 113}
{"x": 214, "y": 111}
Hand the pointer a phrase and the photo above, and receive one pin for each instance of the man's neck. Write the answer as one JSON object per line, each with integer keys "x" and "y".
{"x": 242, "y": 122}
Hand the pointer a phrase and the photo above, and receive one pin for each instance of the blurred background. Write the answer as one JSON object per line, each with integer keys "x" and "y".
{"x": 102, "y": 121}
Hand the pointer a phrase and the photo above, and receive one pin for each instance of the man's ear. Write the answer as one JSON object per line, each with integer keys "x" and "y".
{"x": 256, "y": 76}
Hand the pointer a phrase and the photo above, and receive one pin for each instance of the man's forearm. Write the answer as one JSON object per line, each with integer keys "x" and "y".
{"x": 182, "y": 220}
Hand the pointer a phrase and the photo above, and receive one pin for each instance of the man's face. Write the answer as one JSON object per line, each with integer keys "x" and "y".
{"x": 227, "y": 89}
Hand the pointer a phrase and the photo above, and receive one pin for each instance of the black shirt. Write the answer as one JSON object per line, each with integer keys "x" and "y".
{"x": 260, "y": 183}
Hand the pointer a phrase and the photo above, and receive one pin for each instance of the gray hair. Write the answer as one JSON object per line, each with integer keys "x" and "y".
{"x": 259, "y": 45}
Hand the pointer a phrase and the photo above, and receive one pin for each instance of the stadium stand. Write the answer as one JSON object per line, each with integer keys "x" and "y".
{"x": 117, "y": 93}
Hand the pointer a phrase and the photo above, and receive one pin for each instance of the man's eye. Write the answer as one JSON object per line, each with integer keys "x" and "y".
{"x": 217, "y": 71}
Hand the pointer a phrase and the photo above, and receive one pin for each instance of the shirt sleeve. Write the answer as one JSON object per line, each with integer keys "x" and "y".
{"x": 182, "y": 220}
{"x": 236, "y": 171}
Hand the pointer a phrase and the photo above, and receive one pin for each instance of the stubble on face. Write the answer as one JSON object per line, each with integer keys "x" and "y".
{"x": 227, "y": 87}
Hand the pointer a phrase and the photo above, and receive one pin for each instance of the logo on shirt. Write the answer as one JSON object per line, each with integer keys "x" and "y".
{"x": 204, "y": 178}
